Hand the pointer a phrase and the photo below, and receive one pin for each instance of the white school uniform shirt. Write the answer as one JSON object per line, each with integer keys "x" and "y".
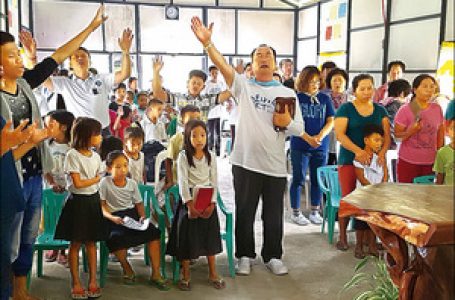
{"x": 136, "y": 167}
{"x": 119, "y": 198}
{"x": 214, "y": 88}
{"x": 86, "y": 98}
{"x": 201, "y": 174}
{"x": 258, "y": 147}
{"x": 58, "y": 153}
{"x": 152, "y": 131}
{"x": 87, "y": 166}
{"x": 374, "y": 173}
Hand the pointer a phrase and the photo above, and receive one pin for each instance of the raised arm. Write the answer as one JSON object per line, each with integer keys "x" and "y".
{"x": 125, "y": 44}
{"x": 70, "y": 47}
{"x": 204, "y": 36}
{"x": 67, "y": 49}
{"x": 158, "y": 91}
{"x": 29, "y": 46}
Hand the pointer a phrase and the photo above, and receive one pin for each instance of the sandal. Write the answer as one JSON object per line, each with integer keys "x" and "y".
{"x": 184, "y": 285}
{"x": 94, "y": 293}
{"x": 160, "y": 284}
{"x": 81, "y": 294}
{"x": 358, "y": 253}
{"x": 218, "y": 283}
{"x": 342, "y": 246}
{"x": 129, "y": 279}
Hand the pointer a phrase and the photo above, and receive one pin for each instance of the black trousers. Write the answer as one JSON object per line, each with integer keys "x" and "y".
{"x": 213, "y": 127}
{"x": 248, "y": 187}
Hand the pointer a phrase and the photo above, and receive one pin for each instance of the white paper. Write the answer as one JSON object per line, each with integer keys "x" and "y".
{"x": 133, "y": 224}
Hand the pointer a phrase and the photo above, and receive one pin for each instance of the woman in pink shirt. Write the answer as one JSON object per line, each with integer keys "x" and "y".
{"x": 419, "y": 125}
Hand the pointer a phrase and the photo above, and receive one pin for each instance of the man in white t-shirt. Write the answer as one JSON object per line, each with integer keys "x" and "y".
{"x": 87, "y": 94}
{"x": 258, "y": 159}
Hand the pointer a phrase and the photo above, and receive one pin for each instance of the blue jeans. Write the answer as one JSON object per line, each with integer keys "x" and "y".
{"x": 26, "y": 225}
{"x": 300, "y": 161}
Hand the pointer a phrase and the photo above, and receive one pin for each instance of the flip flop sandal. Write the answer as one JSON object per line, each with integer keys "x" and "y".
{"x": 160, "y": 284}
{"x": 82, "y": 294}
{"x": 94, "y": 293}
{"x": 218, "y": 283}
{"x": 342, "y": 246}
{"x": 184, "y": 285}
{"x": 129, "y": 279}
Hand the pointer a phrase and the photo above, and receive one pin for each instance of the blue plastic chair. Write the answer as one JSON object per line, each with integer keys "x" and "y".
{"x": 427, "y": 179}
{"x": 330, "y": 186}
{"x": 52, "y": 204}
{"x": 226, "y": 235}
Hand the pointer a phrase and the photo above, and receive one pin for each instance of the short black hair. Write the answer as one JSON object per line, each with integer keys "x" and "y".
{"x": 85, "y": 50}
{"x": 142, "y": 93}
{"x": 197, "y": 73}
{"x": 396, "y": 63}
{"x": 360, "y": 77}
{"x": 369, "y": 129}
{"x": 247, "y": 65}
{"x": 63, "y": 117}
{"x": 133, "y": 133}
{"x": 63, "y": 72}
{"x": 83, "y": 129}
{"x": 328, "y": 65}
{"x": 397, "y": 87}
{"x": 92, "y": 70}
{"x": 261, "y": 46}
{"x": 131, "y": 79}
{"x": 187, "y": 109}
{"x": 113, "y": 155}
{"x": 154, "y": 101}
{"x": 336, "y": 71}
{"x": 213, "y": 67}
{"x": 285, "y": 60}
{"x": 108, "y": 145}
{"x": 6, "y": 38}
{"x": 121, "y": 85}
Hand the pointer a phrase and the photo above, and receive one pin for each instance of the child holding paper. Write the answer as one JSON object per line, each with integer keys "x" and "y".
{"x": 120, "y": 198}
{"x": 196, "y": 232}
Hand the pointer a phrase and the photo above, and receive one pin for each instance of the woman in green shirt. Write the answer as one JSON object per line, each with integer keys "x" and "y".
{"x": 350, "y": 119}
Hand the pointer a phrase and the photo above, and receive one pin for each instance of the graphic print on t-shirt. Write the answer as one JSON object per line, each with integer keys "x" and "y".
{"x": 263, "y": 103}
{"x": 313, "y": 111}
{"x": 425, "y": 137}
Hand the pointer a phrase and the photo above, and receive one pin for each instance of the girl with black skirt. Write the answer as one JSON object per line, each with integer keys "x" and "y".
{"x": 120, "y": 198}
{"x": 196, "y": 233}
{"x": 81, "y": 221}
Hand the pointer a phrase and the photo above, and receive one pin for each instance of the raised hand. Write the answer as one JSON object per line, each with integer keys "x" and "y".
{"x": 14, "y": 137}
{"x": 202, "y": 33}
{"x": 125, "y": 41}
{"x": 99, "y": 18}
{"x": 29, "y": 43}
{"x": 157, "y": 63}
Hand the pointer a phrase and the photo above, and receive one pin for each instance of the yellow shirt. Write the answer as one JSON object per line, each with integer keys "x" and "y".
{"x": 173, "y": 150}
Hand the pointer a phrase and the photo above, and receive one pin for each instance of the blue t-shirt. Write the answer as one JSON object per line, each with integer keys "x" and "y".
{"x": 314, "y": 117}
{"x": 11, "y": 196}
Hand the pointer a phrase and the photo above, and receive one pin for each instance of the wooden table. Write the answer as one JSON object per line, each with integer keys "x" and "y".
{"x": 416, "y": 216}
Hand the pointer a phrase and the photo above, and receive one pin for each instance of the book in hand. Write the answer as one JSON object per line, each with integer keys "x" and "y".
{"x": 280, "y": 107}
{"x": 202, "y": 197}
{"x": 135, "y": 225}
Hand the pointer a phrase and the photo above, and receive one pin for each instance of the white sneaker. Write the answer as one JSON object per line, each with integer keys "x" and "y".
{"x": 315, "y": 218}
{"x": 300, "y": 219}
{"x": 243, "y": 266}
{"x": 277, "y": 267}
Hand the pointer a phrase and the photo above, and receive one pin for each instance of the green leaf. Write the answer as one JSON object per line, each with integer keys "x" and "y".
{"x": 361, "y": 264}
{"x": 363, "y": 296}
{"x": 355, "y": 280}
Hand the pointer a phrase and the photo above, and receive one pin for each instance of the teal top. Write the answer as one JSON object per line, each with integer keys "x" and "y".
{"x": 354, "y": 130}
